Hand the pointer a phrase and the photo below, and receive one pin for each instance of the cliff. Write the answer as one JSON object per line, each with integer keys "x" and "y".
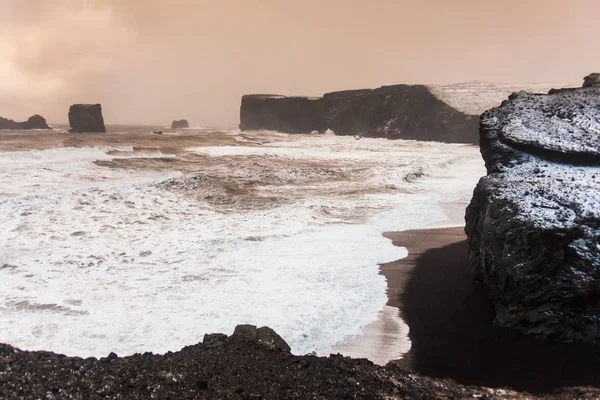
{"x": 86, "y": 118}
{"x": 33, "y": 122}
{"x": 393, "y": 112}
{"x": 283, "y": 114}
{"x": 533, "y": 224}
{"x": 250, "y": 364}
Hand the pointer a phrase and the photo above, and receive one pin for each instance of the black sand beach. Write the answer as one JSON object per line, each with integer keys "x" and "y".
{"x": 451, "y": 325}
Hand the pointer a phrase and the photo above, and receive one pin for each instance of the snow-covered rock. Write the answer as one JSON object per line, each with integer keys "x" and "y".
{"x": 533, "y": 224}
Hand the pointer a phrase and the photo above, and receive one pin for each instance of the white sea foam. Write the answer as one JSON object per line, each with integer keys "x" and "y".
{"x": 63, "y": 169}
{"x": 101, "y": 259}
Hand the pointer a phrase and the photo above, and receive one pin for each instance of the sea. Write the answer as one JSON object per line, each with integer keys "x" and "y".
{"x": 133, "y": 241}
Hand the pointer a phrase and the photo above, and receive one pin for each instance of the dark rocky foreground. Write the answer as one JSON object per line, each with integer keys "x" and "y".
{"x": 178, "y": 124}
{"x": 533, "y": 224}
{"x": 250, "y": 364}
{"x": 33, "y": 122}
{"x": 86, "y": 118}
{"x": 393, "y": 112}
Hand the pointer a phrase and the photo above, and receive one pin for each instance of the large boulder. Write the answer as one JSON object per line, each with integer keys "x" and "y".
{"x": 178, "y": 124}
{"x": 250, "y": 333}
{"x": 271, "y": 339}
{"x": 244, "y": 332}
{"x": 86, "y": 118}
{"x": 34, "y": 122}
{"x": 533, "y": 224}
{"x": 263, "y": 335}
{"x": 393, "y": 112}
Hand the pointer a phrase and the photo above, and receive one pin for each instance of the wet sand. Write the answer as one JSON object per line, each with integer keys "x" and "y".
{"x": 382, "y": 341}
{"x": 451, "y": 326}
{"x": 387, "y": 339}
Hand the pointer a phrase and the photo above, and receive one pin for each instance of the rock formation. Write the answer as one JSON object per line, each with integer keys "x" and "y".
{"x": 34, "y": 122}
{"x": 263, "y": 335}
{"x": 393, "y": 112}
{"x": 86, "y": 118}
{"x": 182, "y": 123}
{"x": 234, "y": 367}
{"x": 533, "y": 224}
{"x": 592, "y": 80}
{"x": 283, "y": 114}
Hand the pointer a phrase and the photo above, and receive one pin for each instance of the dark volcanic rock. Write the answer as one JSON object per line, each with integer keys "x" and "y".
{"x": 214, "y": 339}
{"x": 283, "y": 114}
{"x": 7, "y": 123}
{"x": 245, "y": 332}
{"x": 263, "y": 335}
{"x": 592, "y": 80}
{"x": 270, "y": 338}
{"x": 235, "y": 369}
{"x": 393, "y": 112}
{"x": 182, "y": 123}
{"x": 533, "y": 224}
{"x": 34, "y": 122}
{"x": 86, "y": 118}
{"x": 399, "y": 112}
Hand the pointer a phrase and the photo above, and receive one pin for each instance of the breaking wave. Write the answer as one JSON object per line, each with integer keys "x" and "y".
{"x": 103, "y": 251}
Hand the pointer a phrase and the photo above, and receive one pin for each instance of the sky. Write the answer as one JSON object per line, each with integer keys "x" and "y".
{"x": 152, "y": 61}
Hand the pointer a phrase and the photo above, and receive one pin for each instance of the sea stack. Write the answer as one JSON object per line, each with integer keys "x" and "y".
{"x": 533, "y": 224}
{"x": 34, "y": 122}
{"x": 86, "y": 118}
{"x": 178, "y": 124}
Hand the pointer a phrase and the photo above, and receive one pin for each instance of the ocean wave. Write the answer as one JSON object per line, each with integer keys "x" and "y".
{"x": 108, "y": 258}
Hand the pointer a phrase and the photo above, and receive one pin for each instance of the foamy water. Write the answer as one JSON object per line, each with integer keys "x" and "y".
{"x": 110, "y": 249}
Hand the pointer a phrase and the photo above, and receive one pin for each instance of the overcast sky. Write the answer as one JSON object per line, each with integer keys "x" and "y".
{"x": 151, "y": 61}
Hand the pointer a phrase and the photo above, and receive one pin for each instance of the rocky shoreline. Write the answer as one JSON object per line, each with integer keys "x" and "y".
{"x": 245, "y": 365}
{"x": 533, "y": 225}
{"x": 437, "y": 297}
{"x": 533, "y": 235}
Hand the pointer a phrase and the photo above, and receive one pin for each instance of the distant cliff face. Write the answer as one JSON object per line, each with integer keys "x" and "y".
{"x": 533, "y": 224}
{"x": 393, "y": 112}
{"x": 86, "y": 118}
{"x": 34, "y": 122}
{"x": 282, "y": 114}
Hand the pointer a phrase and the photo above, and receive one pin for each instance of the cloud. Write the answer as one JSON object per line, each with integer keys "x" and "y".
{"x": 53, "y": 54}
{"x": 151, "y": 61}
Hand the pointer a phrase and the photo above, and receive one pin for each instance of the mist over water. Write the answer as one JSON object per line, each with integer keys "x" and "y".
{"x": 149, "y": 243}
